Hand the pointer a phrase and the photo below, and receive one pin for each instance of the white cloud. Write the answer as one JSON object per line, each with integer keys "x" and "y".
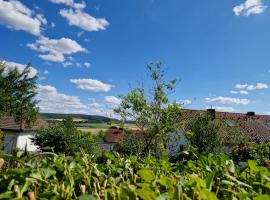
{"x": 240, "y": 86}
{"x": 54, "y": 50}
{"x": 87, "y": 64}
{"x": 228, "y": 100}
{"x": 83, "y": 20}
{"x": 46, "y": 72}
{"x": 249, "y": 7}
{"x": 54, "y": 102}
{"x": 239, "y": 92}
{"x": 20, "y": 67}
{"x": 70, "y": 3}
{"x": 223, "y": 109}
{"x": 112, "y": 100}
{"x": 91, "y": 85}
{"x": 185, "y": 102}
{"x": 17, "y": 16}
{"x": 66, "y": 64}
{"x": 258, "y": 86}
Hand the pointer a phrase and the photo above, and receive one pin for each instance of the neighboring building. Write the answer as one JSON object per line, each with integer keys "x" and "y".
{"x": 16, "y": 137}
{"x": 112, "y": 136}
{"x": 256, "y": 128}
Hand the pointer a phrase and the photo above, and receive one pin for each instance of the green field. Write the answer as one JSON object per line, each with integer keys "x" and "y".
{"x": 96, "y": 127}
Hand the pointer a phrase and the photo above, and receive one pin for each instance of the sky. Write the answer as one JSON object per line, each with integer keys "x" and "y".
{"x": 89, "y": 52}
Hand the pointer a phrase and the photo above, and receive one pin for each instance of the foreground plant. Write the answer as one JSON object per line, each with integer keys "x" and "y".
{"x": 113, "y": 176}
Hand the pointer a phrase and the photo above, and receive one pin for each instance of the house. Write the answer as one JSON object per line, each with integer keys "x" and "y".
{"x": 19, "y": 137}
{"x": 256, "y": 128}
{"x": 112, "y": 136}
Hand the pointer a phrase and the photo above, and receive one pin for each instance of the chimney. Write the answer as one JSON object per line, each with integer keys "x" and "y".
{"x": 249, "y": 114}
{"x": 212, "y": 113}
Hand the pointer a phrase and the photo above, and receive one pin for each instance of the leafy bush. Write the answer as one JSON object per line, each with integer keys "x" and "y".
{"x": 118, "y": 177}
{"x": 65, "y": 138}
{"x": 244, "y": 152}
{"x": 131, "y": 145}
{"x": 204, "y": 133}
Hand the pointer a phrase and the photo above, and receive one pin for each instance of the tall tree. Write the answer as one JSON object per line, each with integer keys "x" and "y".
{"x": 17, "y": 94}
{"x": 153, "y": 113}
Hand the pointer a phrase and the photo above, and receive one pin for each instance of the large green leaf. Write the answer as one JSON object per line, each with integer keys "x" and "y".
{"x": 146, "y": 175}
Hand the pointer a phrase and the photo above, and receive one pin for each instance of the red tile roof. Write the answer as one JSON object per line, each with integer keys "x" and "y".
{"x": 114, "y": 135}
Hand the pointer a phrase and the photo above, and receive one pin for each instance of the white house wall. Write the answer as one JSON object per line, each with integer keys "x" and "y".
{"x": 24, "y": 141}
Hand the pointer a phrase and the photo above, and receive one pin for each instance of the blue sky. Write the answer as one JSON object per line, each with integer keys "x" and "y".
{"x": 88, "y": 52}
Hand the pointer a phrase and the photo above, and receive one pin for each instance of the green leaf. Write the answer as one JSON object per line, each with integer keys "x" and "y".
{"x": 87, "y": 197}
{"x": 146, "y": 194}
{"x": 262, "y": 197}
{"x": 146, "y": 175}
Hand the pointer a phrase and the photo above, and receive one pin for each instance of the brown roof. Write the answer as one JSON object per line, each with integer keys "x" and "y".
{"x": 256, "y": 127}
{"x": 113, "y": 135}
{"x": 8, "y": 123}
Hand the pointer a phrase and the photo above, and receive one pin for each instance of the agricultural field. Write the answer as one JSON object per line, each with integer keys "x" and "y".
{"x": 95, "y": 128}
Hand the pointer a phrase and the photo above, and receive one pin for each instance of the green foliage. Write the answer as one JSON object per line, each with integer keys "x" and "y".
{"x": 117, "y": 177}
{"x": 17, "y": 94}
{"x": 65, "y": 138}
{"x": 249, "y": 151}
{"x": 153, "y": 113}
{"x": 132, "y": 145}
{"x": 204, "y": 133}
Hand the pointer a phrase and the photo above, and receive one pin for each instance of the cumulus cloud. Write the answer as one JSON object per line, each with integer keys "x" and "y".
{"x": 66, "y": 64}
{"x": 87, "y": 64}
{"x": 223, "y": 109}
{"x": 91, "y": 85}
{"x": 112, "y": 100}
{"x": 249, "y": 7}
{"x": 258, "y": 86}
{"x": 83, "y": 20}
{"x": 20, "y": 67}
{"x": 239, "y": 92}
{"x": 52, "y": 101}
{"x": 17, "y": 16}
{"x": 228, "y": 100}
{"x": 54, "y": 50}
{"x": 70, "y": 3}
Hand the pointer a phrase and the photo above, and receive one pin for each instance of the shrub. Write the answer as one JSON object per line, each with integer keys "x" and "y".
{"x": 204, "y": 133}
{"x": 250, "y": 151}
{"x": 65, "y": 138}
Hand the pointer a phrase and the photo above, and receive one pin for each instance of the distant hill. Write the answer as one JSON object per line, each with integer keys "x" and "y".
{"x": 86, "y": 118}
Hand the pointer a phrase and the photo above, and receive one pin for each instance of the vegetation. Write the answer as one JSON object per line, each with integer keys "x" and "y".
{"x": 115, "y": 177}
{"x": 17, "y": 94}
{"x": 210, "y": 135}
{"x": 64, "y": 137}
{"x": 154, "y": 114}
{"x": 251, "y": 151}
